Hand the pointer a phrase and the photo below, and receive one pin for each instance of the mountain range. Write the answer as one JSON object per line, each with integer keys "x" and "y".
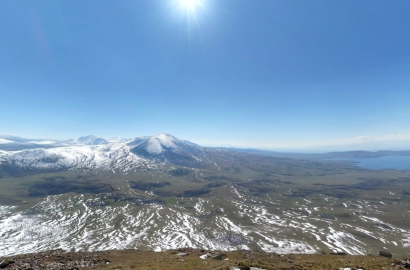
{"x": 96, "y": 153}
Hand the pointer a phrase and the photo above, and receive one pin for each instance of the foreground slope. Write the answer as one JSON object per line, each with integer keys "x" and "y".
{"x": 197, "y": 259}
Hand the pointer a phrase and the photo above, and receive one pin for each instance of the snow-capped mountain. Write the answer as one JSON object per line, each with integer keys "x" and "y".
{"x": 11, "y": 138}
{"x": 95, "y": 153}
{"x": 119, "y": 139}
{"x": 166, "y": 148}
{"x": 12, "y": 143}
{"x": 85, "y": 140}
{"x": 4, "y": 141}
{"x": 99, "y": 157}
{"x": 16, "y": 139}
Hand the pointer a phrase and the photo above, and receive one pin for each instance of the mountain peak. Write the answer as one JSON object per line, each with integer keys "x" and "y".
{"x": 118, "y": 139}
{"x": 157, "y": 143}
{"x": 164, "y": 135}
{"x": 165, "y": 147}
{"x": 84, "y": 140}
{"x": 91, "y": 140}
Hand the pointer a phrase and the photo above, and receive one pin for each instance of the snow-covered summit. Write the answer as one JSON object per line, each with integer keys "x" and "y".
{"x": 84, "y": 140}
{"x": 13, "y": 143}
{"x": 165, "y": 147}
{"x": 119, "y": 139}
{"x": 4, "y": 138}
{"x": 92, "y": 140}
{"x": 4, "y": 141}
{"x": 157, "y": 144}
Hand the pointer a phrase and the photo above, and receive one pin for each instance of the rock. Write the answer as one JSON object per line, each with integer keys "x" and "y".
{"x": 234, "y": 268}
{"x": 215, "y": 255}
{"x": 256, "y": 268}
{"x": 181, "y": 254}
{"x": 290, "y": 261}
{"x": 338, "y": 253}
{"x": 5, "y": 263}
{"x": 385, "y": 253}
{"x": 405, "y": 264}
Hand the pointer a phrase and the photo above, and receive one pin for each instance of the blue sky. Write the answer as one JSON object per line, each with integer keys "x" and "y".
{"x": 260, "y": 73}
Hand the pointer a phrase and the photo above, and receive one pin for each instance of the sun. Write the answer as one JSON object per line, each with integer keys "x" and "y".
{"x": 189, "y": 4}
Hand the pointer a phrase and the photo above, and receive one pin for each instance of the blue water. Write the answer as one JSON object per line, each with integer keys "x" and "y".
{"x": 380, "y": 163}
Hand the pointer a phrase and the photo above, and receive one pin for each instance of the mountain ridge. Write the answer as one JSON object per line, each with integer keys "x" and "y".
{"x": 95, "y": 153}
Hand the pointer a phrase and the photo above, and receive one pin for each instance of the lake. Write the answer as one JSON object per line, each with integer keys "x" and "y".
{"x": 379, "y": 163}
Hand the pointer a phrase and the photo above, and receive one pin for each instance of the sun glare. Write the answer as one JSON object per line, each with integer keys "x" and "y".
{"x": 189, "y": 4}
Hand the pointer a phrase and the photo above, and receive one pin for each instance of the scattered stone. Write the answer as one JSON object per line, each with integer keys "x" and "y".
{"x": 405, "y": 264}
{"x": 385, "y": 253}
{"x": 338, "y": 253}
{"x": 55, "y": 260}
{"x": 227, "y": 259}
{"x": 203, "y": 257}
{"x": 181, "y": 254}
{"x": 5, "y": 263}
{"x": 182, "y": 260}
{"x": 256, "y": 268}
{"x": 234, "y": 268}
{"x": 215, "y": 255}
